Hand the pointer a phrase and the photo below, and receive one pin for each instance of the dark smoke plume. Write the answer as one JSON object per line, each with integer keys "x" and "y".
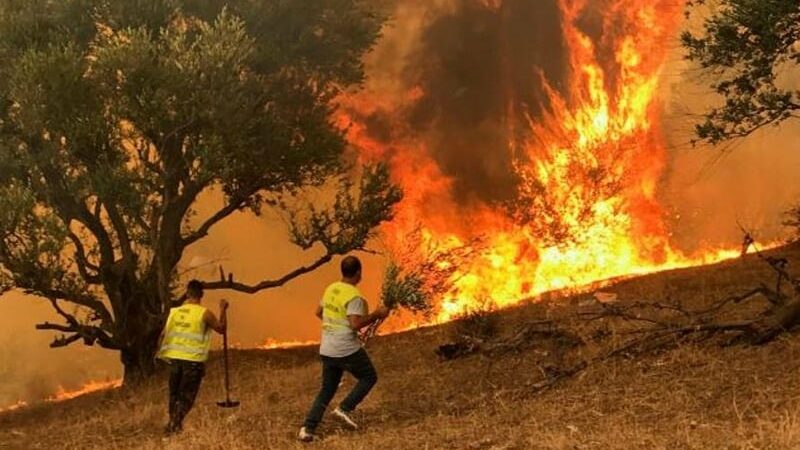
{"x": 480, "y": 71}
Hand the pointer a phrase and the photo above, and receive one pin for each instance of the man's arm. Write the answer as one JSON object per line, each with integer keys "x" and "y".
{"x": 161, "y": 340}
{"x": 318, "y": 312}
{"x": 358, "y": 322}
{"x": 221, "y": 325}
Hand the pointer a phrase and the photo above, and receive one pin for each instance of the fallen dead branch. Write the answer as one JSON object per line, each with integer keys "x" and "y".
{"x": 521, "y": 339}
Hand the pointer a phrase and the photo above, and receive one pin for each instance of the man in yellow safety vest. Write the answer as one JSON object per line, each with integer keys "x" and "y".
{"x": 184, "y": 345}
{"x": 343, "y": 311}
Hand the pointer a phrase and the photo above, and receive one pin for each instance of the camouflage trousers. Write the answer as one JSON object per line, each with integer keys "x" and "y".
{"x": 184, "y": 383}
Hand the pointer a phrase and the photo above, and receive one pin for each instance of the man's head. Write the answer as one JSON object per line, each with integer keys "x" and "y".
{"x": 194, "y": 290}
{"x": 351, "y": 269}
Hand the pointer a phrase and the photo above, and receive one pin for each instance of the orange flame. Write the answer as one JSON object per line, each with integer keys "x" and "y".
{"x": 92, "y": 386}
{"x": 15, "y": 406}
{"x": 271, "y": 344}
{"x": 63, "y": 394}
{"x": 586, "y": 208}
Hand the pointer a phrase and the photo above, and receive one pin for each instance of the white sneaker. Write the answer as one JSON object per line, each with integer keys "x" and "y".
{"x": 345, "y": 417}
{"x": 305, "y": 435}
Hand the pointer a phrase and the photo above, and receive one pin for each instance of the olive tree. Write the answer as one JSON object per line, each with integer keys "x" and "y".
{"x": 116, "y": 116}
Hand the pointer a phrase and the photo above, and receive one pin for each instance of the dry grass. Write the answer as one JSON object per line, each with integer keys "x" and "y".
{"x": 689, "y": 397}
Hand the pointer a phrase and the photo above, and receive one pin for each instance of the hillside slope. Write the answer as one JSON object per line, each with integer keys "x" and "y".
{"x": 692, "y": 396}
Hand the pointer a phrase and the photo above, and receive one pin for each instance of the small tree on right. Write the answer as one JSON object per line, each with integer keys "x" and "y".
{"x": 746, "y": 45}
{"x": 749, "y": 46}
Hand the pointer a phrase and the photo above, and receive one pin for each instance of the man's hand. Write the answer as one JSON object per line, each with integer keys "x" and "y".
{"x": 223, "y": 304}
{"x": 359, "y": 322}
{"x": 382, "y": 312}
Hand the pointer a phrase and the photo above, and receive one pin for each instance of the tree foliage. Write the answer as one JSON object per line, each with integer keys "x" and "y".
{"x": 115, "y": 116}
{"x": 422, "y": 273}
{"x": 746, "y": 45}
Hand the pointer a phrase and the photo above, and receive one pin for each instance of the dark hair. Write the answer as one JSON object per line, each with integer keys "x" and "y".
{"x": 351, "y": 266}
{"x": 194, "y": 289}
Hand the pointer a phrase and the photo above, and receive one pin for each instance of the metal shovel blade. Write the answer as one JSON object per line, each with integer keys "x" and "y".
{"x": 228, "y": 404}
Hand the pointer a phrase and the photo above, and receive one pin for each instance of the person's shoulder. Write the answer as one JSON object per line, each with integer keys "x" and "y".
{"x": 209, "y": 318}
{"x": 200, "y": 308}
{"x": 333, "y": 285}
{"x": 358, "y": 302}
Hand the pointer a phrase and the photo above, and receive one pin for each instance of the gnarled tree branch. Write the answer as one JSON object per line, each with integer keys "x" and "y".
{"x": 121, "y": 230}
{"x": 89, "y": 333}
{"x": 230, "y": 284}
{"x": 82, "y": 261}
{"x": 234, "y": 204}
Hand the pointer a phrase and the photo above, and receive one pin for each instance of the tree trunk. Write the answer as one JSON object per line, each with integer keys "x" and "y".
{"x": 141, "y": 330}
{"x": 138, "y": 360}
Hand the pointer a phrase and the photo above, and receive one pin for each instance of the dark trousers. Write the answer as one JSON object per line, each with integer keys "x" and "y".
{"x": 184, "y": 383}
{"x": 360, "y": 366}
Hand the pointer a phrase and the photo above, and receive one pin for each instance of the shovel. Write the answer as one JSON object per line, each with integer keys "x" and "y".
{"x": 227, "y": 403}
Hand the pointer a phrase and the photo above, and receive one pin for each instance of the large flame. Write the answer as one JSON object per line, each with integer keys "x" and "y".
{"x": 586, "y": 209}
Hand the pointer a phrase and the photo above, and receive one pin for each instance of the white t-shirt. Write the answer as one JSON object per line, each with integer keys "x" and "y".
{"x": 340, "y": 344}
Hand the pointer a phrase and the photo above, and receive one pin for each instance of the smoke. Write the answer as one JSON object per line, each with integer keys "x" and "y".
{"x": 30, "y": 370}
{"x": 478, "y": 69}
{"x": 480, "y": 72}
{"x": 711, "y": 191}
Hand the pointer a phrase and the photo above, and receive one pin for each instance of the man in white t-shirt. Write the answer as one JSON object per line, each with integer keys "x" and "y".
{"x": 343, "y": 312}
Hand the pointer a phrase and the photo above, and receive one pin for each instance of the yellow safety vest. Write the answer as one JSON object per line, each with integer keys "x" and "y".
{"x": 334, "y": 306}
{"x": 186, "y": 336}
